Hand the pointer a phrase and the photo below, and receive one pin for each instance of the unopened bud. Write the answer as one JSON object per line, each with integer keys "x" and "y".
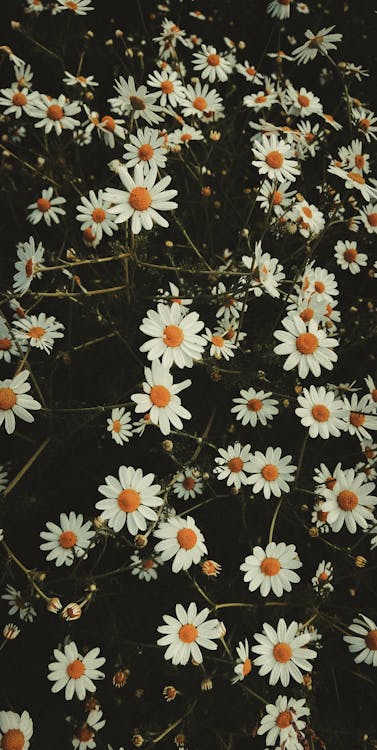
{"x": 360, "y": 561}
{"x": 72, "y": 611}
{"x": 168, "y": 445}
{"x": 54, "y": 605}
{"x": 10, "y": 631}
{"x": 141, "y": 541}
{"x": 206, "y": 684}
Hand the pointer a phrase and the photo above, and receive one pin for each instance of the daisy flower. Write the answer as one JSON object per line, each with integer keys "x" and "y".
{"x": 129, "y": 500}
{"x": 18, "y": 101}
{"x": 354, "y": 158}
{"x": 254, "y": 406}
{"x": 363, "y": 641}
{"x": 55, "y": 114}
{"x": 283, "y": 653}
{"x": 85, "y": 733}
{"x": 8, "y": 348}
{"x": 279, "y": 196}
{"x": 146, "y": 148}
{"x": 170, "y": 35}
{"x": 321, "y": 412}
{"x": 46, "y": 207}
{"x": 93, "y": 214}
{"x": 15, "y": 401}
{"x": 182, "y": 540}
{"x": 319, "y": 517}
{"x": 28, "y": 265}
{"x": 23, "y": 75}
{"x": 365, "y": 122}
{"x": 322, "y": 41}
{"x": 354, "y": 180}
{"x": 348, "y": 257}
{"x": 186, "y": 633}
{"x": 17, "y": 603}
{"x": 220, "y": 346}
{"x": 308, "y": 217}
{"x": 371, "y": 385}
{"x": 243, "y": 664}
{"x": 200, "y": 100}
{"x": 273, "y": 159}
{"x": 249, "y": 72}
{"x": 188, "y": 484}
{"x": 74, "y": 672}
{"x": 310, "y": 138}
{"x": 83, "y": 81}
{"x": 79, "y": 7}
{"x": 160, "y": 400}
{"x": 265, "y": 273}
{"x": 145, "y": 568}
{"x": 172, "y": 336}
{"x": 260, "y": 100}
{"x": 319, "y": 284}
{"x": 323, "y": 576}
{"x": 272, "y": 568}
{"x": 211, "y": 64}
{"x": 283, "y": 723}
{"x": 229, "y": 303}
{"x": 142, "y": 199}
{"x": 324, "y": 477}
{"x": 279, "y": 9}
{"x": 15, "y": 730}
{"x": 349, "y": 502}
{"x": 120, "y": 425}
{"x": 368, "y": 217}
{"x": 39, "y": 331}
{"x": 68, "y": 541}
{"x": 110, "y": 129}
{"x": 307, "y": 346}
{"x": 271, "y": 472}
{"x": 170, "y": 87}
{"x": 234, "y": 465}
{"x": 136, "y": 101}
{"x": 303, "y": 102}
{"x": 174, "y": 296}
{"x": 185, "y": 135}
{"x": 360, "y": 417}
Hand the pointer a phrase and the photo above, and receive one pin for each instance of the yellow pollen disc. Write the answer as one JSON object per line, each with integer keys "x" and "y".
{"x": 140, "y": 199}
{"x": 320, "y": 413}
{"x": 347, "y": 500}
{"x": 323, "y": 576}
{"x": 67, "y": 539}
{"x": 260, "y": 99}
{"x": 145, "y": 152}
{"x": 322, "y": 515}
{"x": 188, "y": 483}
{"x": 188, "y": 633}
{"x": 254, "y": 404}
{"x": 218, "y": 341}
{"x": 307, "y": 343}
{"x": 307, "y": 314}
{"x": 167, "y": 87}
{"x": 8, "y": 399}
{"x": 200, "y": 103}
{"x": 13, "y": 739}
{"x": 186, "y": 538}
{"x": 371, "y": 640}
{"x": 160, "y": 396}
{"x": 98, "y": 215}
{"x": 282, "y": 652}
{"x": 43, "y": 204}
{"x": 270, "y": 472}
{"x": 275, "y": 159}
{"x": 355, "y": 177}
{"x": 213, "y": 60}
{"x": 251, "y": 71}
{"x": 148, "y": 564}
{"x": 84, "y": 733}
{"x": 316, "y": 41}
{"x": 307, "y": 211}
{"x": 117, "y": 425}
{"x": 373, "y": 394}
{"x": 350, "y": 254}
{"x": 5, "y": 344}
{"x": 246, "y": 667}
{"x": 76, "y": 669}
{"x": 108, "y": 122}
{"x": 270, "y": 566}
{"x": 357, "y": 419}
{"x": 372, "y": 219}
{"x": 284, "y": 719}
{"x": 129, "y": 500}
{"x": 277, "y": 198}
{"x": 359, "y": 161}
{"x": 36, "y": 332}
{"x": 137, "y": 103}
{"x": 173, "y": 336}
{"x": 19, "y": 99}
{"x": 235, "y": 464}
{"x": 55, "y": 112}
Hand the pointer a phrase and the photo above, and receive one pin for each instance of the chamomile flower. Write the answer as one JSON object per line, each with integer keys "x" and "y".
{"x": 307, "y": 346}
{"x": 271, "y": 472}
{"x": 265, "y": 273}
{"x": 273, "y": 159}
{"x": 39, "y": 331}
{"x": 323, "y": 477}
{"x": 188, "y": 484}
{"x": 136, "y": 101}
{"x": 28, "y": 266}
{"x": 348, "y": 257}
{"x": 319, "y": 284}
{"x": 169, "y": 86}
{"x": 79, "y": 7}
{"x": 47, "y": 208}
{"x": 349, "y": 502}
{"x": 174, "y": 296}
{"x": 360, "y": 417}
{"x": 363, "y": 641}
{"x": 55, "y": 114}
{"x": 15, "y": 730}
{"x": 260, "y": 100}
{"x": 130, "y": 500}
{"x": 142, "y": 200}
{"x": 23, "y": 75}
{"x": 110, "y": 128}
{"x": 186, "y": 633}
{"x": 368, "y": 217}
{"x": 84, "y": 734}
{"x": 145, "y": 148}
{"x": 80, "y": 80}
{"x": 145, "y": 568}
{"x": 371, "y": 385}
{"x": 170, "y": 35}
{"x": 302, "y": 102}
{"x": 283, "y": 653}
{"x": 185, "y": 135}
{"x": 249, "y": 72}
{"x": 279, "y": 9}
{"x": 354, "y": 180}
{"x": 254, "y": 406}
{"x": 243, "y": 664}
{"x": 173, "y": 337}
{"x": 309, "y": 219}
{"x": 283, "y": 723}
{"x": 93, "y": 214}
{"x": 18, "y": 101}
{"x": 321, "y": 412}
{"x": 279, "y": 196}
{"x": 17, "y": 603}
{"x": 8, "y": 347}
{"x": 69, "y": 541}
{"x": 182, "y": 540}
{"x": 272, "y": 568}
{"x": 201, "y": 99}
{"x": 211, "y": 64}
{"x": 323, "y": 576}
{"x": 219, "y": 346}
{"x": 354, "y": 158}
{"x": 75, "y": 673}
{"x": 366, "y": 123}
{"x": 159, "y": 400}
{"x": 15, "y": 401}
{"x": 319, "y": 517}
{"x": 322, "y": 41}
{"x": 119, "y": 424}
{"x": 234, "y": 465}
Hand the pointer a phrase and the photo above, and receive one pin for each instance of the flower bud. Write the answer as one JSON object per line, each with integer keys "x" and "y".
{"x": 10, "y": 631}
{"x": 72, "y": 611}
{"x": 54, "y": 605}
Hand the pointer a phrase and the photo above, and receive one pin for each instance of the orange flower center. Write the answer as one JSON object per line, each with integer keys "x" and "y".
{"x": 159, "y": 396}
{"x": 319, "y": 287}
{"x": 200, "y": 103}
{"x": 117, "y": 425}
{"x": 84, "y": 733}
{"x": 307, "y": 211}
{"x": 350, "y": 254}
{"x": 98, "y": 215}
{"x": 246, "y": 668}
{"x": 43, "y": 205}
{"x": 270, "y": 472}
{"x": 307, "y": 343}
{"x": 137, "y": 103}
{"x": 140, "y": 199}
{"x": 55, "y": 112}
{"x": 357, "y": 419}
{"x": 188, "y": 483}
{"x": 371, "y": 640}
{"x": 307, "y": 314}
{"x": 185, "y": 137}
{"x": 369, "y": 452}
{"x": 372, "y": 219}
{"x": 359, "y": 161}
{"x": 284, "y": 719}
{"x": 303, "y": 100}
{"x": 235, "y": 464}
{"x": 172, "y": 336}
{"x": 270, "y": 566}
{"x": 374, "y": 397}
{"x": 88, "y": 235}
{"x": 67, "y": 539}
{"x": 71, "y": 4}
{"x": 355, "y": 177}
{"x": 8, "y": 399}
{"x": 5, "y": 344}
{"x": 188, "y": 633}
{"x": 167, "y": 87}
{"x": 145, "y": 152}
{"x": 322, "y": 515}
{"x": 213, "y": 60}
{"x": 148, "y": 564}
{"x": 275, "y": 159}
{"x": 218, "y": 341}
{"x": 36, "y": 332}
{"x": 320, "y": 412}
{"x": 109, "y": 122}
{"x": 364, "y": 123}
{"x": 251, "y": 71}
{"x": 316, "y": 41}
{"x": 347, "y": 500}
{"x": 277, "y": 198}
{"x": 186, "y": 538}
{"x": 260, "y": 99}
{"x": 129, "y": 500}
{"x": 19, "y": 99}
{"x": 254, "y": 404}
{"x": 323, "y": 576}
{"x": 282, "y": 652}
{"x": 76, "y": 669}
{"x": 13, "y": 739}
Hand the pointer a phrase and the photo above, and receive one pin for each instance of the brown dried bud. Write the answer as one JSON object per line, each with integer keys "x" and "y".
{"x": 170, "y": 693}
{"x": 168, "y": 445}
{"x": 10, "y": 631}
{"x": 360, "y": 561}
{"x": 71, "y": 612}
{"x": 137, "y": 739}
{"x": 313, "y": 532}
{"x": 211, "y": 568}
{"x": 120, "y": 677}
{"x": 141, "y": 541}
{"x": 206, "y": 684}
{"x": 54, "y": 605}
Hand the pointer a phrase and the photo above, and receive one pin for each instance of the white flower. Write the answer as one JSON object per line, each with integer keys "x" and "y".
{"x": 200, "y": 100}
{"x": 185, "y": 135}
{"x": 349, "y": 501}
{"x": 18, "y": 101}
{"x": 307, "y": 346}
{"x": 279, "y": 9}
{"x": 323, "y": 577}
{"x": 368, "y": 216}
{"x": 8, "y": 348}
{"x": 120, "y": 425}
{"x": 220, "y": 346}
{"x": 243, "y": 664}
{"x": 172, "y": 336}
{"x": 142, "y": 199}
{"x": 321, "y": 412}
{"x": 55, "y": 114}
{"x": 365, "y": 122}
{"x": 80, "y": 80}
{"x": 319, "y": 517}
{"x": 136, "y": 101}
{"x": 3, "y": 478}
{"x": 47, "y": 208}
{"x": 145, "y": 568}
{"x": 354, "y": 180}
{"x": 129, "y": 500}
{"x": 272, "y": 568}
{"x": 234, "y": 465}
{"x": 146, "y": 148}
{"x": 283, "y": 653}
{"x": 229, "y": 303}
{"x": 182, "y": 540}
{"x": 348, "y": 257}
{"x": 160, "y": 399}
{"x": 353, "y": 157}
{"x": 303, "y": 102}
{"x": 322, "y": 41}
{"x": 270, "y": 472}
{"x": 188, "y": 484}
{"x": 272, "y": 158}
{"x": 371, "y": 385}
{"x": 93, "y": 214}
{"x": 359, "y": 415}
{"x": 39, "y": 331}
{"x": 309, "y": 219}
{"x": 265, "y": 272}
{"x": 187, "y": 631}
{"x": 15, "y": 402}
{"x": 254, "y": 406}
{"x": 279, "y": 196}
{"x": 211, "y": 64}
{"x": 84, "y": 734}
{"x": 283, "y": 723}
{"x": 363, "y": 641}
{"x": 23, "y": 75}
{"x": 260, "y": 100}
{"x": 15, "y": 730}
{"x": 28, "y": 265}
{"x": 170, "y": 88}
{"x": 68, "y": 541}
{"x": 17, "y": 603}
{"x": 79, "y": 7}
{"x": 249, "y": 72}
{"x": 74, "y": 672}
{"x": 174, "y": 296}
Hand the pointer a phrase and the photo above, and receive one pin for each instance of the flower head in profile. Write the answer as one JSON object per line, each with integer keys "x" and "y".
{"x": 363, "y": 640}
{"x": 243, "y": 664}
{"x": 322, "y": 41}
{"x": 75, "y": 673}
{"x": 186, "y": 633}
{"x": 16, "y": 402}
{"x": 28, "y": 265}
{"x": 18, "y": 603}
{"x": 142, "y": 200}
